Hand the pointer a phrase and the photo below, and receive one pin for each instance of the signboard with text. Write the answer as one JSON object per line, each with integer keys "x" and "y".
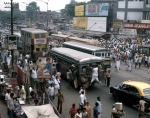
{"x": 40, "y": 41}
{"x": 80, "y": 22}
{"x": 79, "y": 10}
{"x": 139, "y": 26}
{"x": 97, "y": 9}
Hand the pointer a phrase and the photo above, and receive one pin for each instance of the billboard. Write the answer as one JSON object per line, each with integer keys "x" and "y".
{"x": 128, "y": 31}
{"x": 12, "y": 42}
{"x": 140, "y": 26}
{"x": 43, "y": 70}
{"x": 79, "y": 10}
{"x": 97, "y": 9}
{"x": 97, "y": 24}
{"x": 80, "y": 22}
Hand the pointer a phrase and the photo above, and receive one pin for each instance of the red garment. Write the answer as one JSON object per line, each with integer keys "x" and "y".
{"x": 72, "y": 112}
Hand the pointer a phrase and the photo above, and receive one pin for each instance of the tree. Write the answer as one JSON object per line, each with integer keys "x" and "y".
{"x": 68, "y": 12}
{"x": 31, "y": 9}
{"x": 18, "y": 14}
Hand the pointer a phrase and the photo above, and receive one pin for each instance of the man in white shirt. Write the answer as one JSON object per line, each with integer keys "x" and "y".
{"x": 7, "y": 96}
{"x": 10, "y": 105}
{"x": 95, "y": 75}
{"x": 51, "y": 92}
{"x": 82, "y": 100}
{"x": 78, "y": 114}
{"x": 99, "y": 107}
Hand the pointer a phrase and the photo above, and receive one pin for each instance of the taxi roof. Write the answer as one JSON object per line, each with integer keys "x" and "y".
{"x": 137, "y": 84}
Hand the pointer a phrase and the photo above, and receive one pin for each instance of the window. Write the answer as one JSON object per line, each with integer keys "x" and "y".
{"x": 37, "y": 36}
{"x": 102, "y": 54}
{"x": 37, "y": 49}
{"x": 43, "y": 49}
{"x": 146, "y": 91}
{"x": 43, "y": 36}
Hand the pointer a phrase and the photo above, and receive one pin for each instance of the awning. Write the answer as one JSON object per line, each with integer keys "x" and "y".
{"x": 42, "y": 111}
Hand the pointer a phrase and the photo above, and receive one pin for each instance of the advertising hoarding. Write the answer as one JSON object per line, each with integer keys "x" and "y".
{"x": 97, "y": 24}
{"x": 140, "y": 26}
{"x": 40, "y": 41}
{"x": 97, "y": 9}
{"x": 12, "y": 42}
{"x": 117, "y": 24}
{"x": 80, "y": 22}
{"x": 79, "y": 10}
{"x": 42, "y": 71}
{"x": 128, "y": 31}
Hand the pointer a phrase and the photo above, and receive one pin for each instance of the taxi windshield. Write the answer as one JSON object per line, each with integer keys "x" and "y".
{"x": 146, "y": 91}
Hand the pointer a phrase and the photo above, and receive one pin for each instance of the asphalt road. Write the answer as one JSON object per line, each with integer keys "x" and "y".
{"x": 72, "y": 95}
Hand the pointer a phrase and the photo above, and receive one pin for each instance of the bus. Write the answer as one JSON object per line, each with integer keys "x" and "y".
{"x": 90, "y": 49}
{"x": 79, "y": 62}
{"x": 35, "y": 42}
{"x": 146, "y": 49}
{"x": 60, "y": 38}
{"x": 19, "y": 41}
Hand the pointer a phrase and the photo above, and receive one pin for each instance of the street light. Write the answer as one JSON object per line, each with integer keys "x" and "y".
{"x": 47, "y": 9}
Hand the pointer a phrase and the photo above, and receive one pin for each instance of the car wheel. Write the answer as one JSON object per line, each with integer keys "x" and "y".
{"x": 115, "y": 97}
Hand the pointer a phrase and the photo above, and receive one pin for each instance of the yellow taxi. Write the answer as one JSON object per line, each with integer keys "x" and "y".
{"x": 130, "y": 92}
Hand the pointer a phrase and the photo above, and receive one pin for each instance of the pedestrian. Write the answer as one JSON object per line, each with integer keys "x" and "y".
{"x": 146, "y": 59}
{"x": 60, "y": 101}
{"x": 73, "y": 111}
{"x": 140, "y": 60}
{"x": 136, "y": 61}
{"x": 51, "y": 92}
{"x": 10, "y": 106}
{"x": 99, "y": 107}
{"x": 95, "y": 110}
{"x": 25, "y": 64}
{"x": 95, "y": 74}
{"x": 84, "y": 113}
{"x": 117, "y": 63}
{"x": 142, "y": 105}
{"x": 57, "y": 86}
{"x": 108, "y": 76}
{"x": 88, "y": 109}
{"x": 129, "y": 65}
{"x": 78, "y": 114}
{"x": 34, "y": 75}
{"x": 68, "y": 78}
{"x": 84, "y": 90}
{"x": 81, "y": 105}
{"x": 22, "y": 92}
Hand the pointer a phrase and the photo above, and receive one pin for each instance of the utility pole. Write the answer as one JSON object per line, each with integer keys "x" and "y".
{"x": 11, "y": 37}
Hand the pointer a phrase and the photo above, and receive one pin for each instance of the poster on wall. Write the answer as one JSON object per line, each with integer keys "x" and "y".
{"x": 97, "y": 24}
{"x": 80, "y": 22}
{"x": 79, "y": 10}
{"x": 97, "y": 9}
{"x": 44, "y": 67}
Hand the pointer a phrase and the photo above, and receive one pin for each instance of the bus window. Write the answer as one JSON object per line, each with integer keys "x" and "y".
{"x": 98, "y": 54}
{"x": 102, "y": 54}
{"x": 108, "y": 54}
{"x": 43, "y": 49}
{"x": 37, "y": 49}
{"x": 37, "y": 36}
{"x": 43, "y": 36}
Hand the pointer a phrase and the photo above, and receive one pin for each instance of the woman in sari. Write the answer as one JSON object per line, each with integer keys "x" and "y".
{"x": 88, "y": 109}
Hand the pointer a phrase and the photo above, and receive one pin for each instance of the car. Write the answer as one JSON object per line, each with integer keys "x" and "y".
{"x": 130, "y": 92}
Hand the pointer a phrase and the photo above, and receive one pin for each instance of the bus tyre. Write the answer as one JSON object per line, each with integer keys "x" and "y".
{"x": 84, "y": 80}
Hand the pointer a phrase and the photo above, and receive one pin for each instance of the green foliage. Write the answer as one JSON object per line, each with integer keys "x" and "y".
{"x": 68, "y": 11}
{"x": 5, "y": 15}
{"x": 31, "y": 8}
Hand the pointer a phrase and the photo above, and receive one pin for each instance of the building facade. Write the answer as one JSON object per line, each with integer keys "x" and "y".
{"x": 44, "y": 16}
{"x": 133, "y": 10}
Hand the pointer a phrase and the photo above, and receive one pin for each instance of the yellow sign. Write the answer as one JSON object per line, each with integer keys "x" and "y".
{"x": 116, "y": 24}
{"x": 139, "y": 40}
{"x": 80, "y": 22}
{"x": 79, "y": 10}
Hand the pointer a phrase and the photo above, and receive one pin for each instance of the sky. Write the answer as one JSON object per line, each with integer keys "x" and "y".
{"x": 54, "y": 5}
